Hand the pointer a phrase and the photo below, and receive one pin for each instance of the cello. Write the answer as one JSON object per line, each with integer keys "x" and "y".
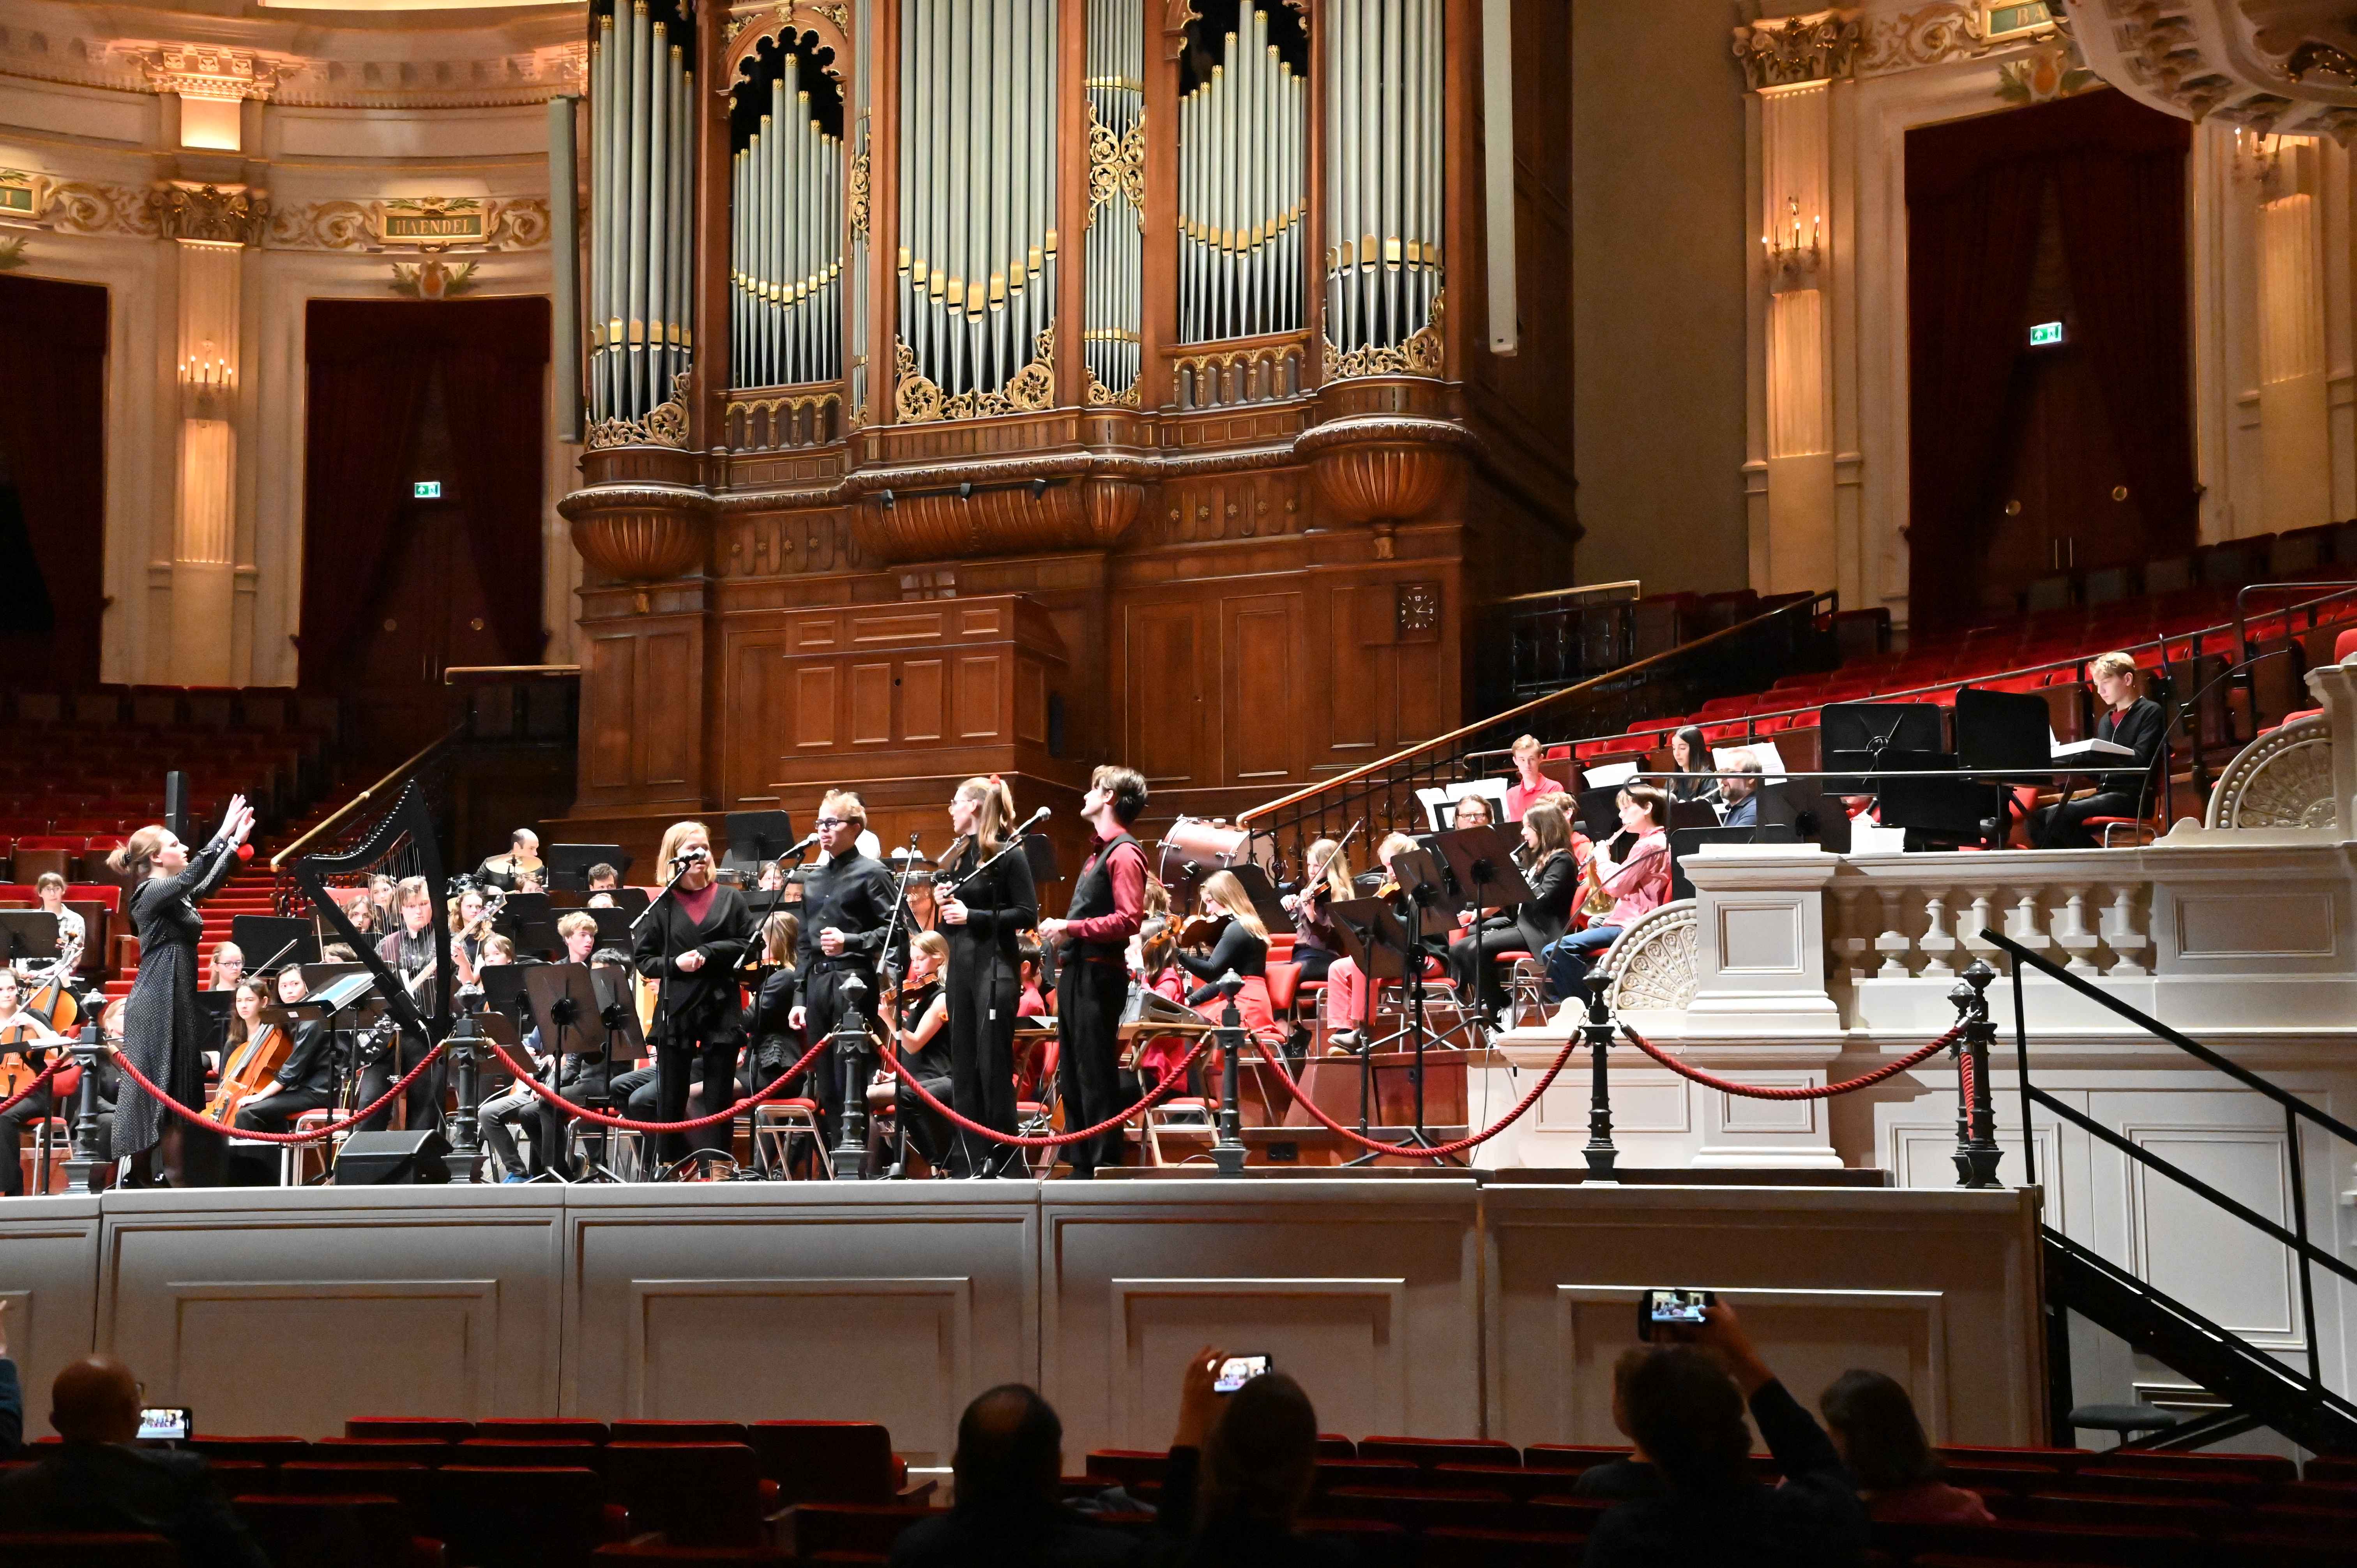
{"x": 18, "y": 1028}
{"x": 252, "y": 1063}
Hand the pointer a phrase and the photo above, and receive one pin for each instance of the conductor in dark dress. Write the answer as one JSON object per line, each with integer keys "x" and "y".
{"x": 691, "y": 947}
{"x": 162, "y": 1028}
{"x": 846, "y": 907}
{"x": 1093, "y": 974}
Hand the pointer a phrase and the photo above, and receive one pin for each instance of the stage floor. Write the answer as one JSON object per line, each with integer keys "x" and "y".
{"x": 1427, "y": 1303}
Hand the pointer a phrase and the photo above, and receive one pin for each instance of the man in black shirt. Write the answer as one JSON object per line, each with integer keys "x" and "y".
{"x": 2136, "y": 722}
{"x": 1685, "y": 1404}
{"x": 846, "y": 906}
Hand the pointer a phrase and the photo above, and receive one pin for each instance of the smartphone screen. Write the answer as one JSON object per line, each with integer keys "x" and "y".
{"x": 1238, "y": 1370}
{"x": 1676, "y": 1305}
{"x": 165, "y": 1424}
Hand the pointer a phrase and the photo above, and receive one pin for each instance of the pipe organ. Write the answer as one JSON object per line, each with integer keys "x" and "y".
{"x": 942, "y": 506}
{"x": 642, "y": 125}
{"x": 786, "y": 219}
{"x": 1243, "y": 162}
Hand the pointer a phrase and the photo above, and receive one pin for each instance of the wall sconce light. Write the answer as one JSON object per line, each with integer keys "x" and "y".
{"x": 208, "y": 382}
{"x": 1791, "y": 264}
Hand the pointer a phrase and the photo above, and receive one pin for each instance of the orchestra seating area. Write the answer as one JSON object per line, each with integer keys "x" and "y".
{"x": 424, "y": 1493}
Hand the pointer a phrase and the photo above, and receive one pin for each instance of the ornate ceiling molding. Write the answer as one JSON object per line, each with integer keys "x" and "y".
{"x": 200, "y": 70}
{"x": 2283, "y": 67}
{"x": 369, "y": 227}
{"x": 1792, "y": 50}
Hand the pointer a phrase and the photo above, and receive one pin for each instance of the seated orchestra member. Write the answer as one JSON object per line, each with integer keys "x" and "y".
{"x": 1530, "y": 785}
{"x": 604, "y": 878}
{"x": 306, "y": 1081}
{"x": 1554, "y": 878}
{"x": 924, "y": 910}
{"x": 383, "y": 892}
{"x": 1030, "y": 1002}
{"x": 19, "y": 1030}
{"x": 766, "y": 1022}
{"x": 504, "y": 870}
{"x": 1740, "y": 791}
{"x": 1690, "y": 769}
{"x": 772, "y": 876}
{"x": 532, "y": 882}
{"x": 1631, "y": 869}
{"x": 2136, "y": 722}
{"x": 228, "y": 967}
{"x": 1350, "y": 1000}
{"x": 1327, "y": 878}
{"x": 502, "y": 1112}
{"x": 1157, "y": 967}
{"x": 408, "y": 951}
{"x": 918, "y": 1018}
{"x": 72, "y": 932}
{"x": 468, "y": 926}
{"x": 1241, "y": 948}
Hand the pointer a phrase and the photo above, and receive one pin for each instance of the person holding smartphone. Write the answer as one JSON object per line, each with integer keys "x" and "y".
{"x": 1240, "y": 1469}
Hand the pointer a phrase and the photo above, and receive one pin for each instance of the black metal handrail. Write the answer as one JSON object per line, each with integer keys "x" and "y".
{"x": 2295, "y": 1109}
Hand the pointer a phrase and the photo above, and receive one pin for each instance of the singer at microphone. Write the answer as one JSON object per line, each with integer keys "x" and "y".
{"x": 848, "y": 906}
{"x": 2128, "y": 720}
{"x": 993, "y": 904}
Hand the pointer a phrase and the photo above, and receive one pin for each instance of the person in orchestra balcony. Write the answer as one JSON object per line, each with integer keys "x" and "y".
{"x": 1632, "y": 869}
{"x": 308, "y": 1081}
{"x": 502, "y": 871}
{"x": 1350, "y": 999}
{"x": 1093, "y": 971}
{"x": 2136, "y": 722}
{"x": 228, "y": 968}
{"x": 72, "y": 932}
{"x": 408, "y": 951}
{"x": 1690, "y": 768}
{"x": 691, "y": 947}
{"x": 983, "y": 919}
{"x": 1327, "y": 881}
{"x": 1530, "y": 926}
{"x": 23, "y": 1033}
{"x": 847, "y": 907}
{"x": 1530, "y": 785}
{"x": 163, "y": 1027}
{"x": 1740, "y": 792}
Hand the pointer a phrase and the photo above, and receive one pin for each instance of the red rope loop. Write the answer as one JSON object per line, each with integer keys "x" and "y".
{"x": 1754, "y": 1091}
{"x": 1420, "y": 1151}
{"x": 523, "y": 1076}
{"x": 49, "y": 1072}
{"x": 315, "y": 1135}
{"x": 1964, "y": 1087}
{"x": 1161, "y": 1091}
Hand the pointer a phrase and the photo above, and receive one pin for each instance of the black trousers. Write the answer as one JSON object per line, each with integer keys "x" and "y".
{"x": 1315, "y": 961}
{"x": 2065, "y": 826}
{"x": 259, "y": 1166}
{"x": 1470, "y": 963}
{"x": 423, "y": 1098}
{"x": 823, "y": 1007}
{"x": 1089, "y": 998}
{"x": 708, "y": 1044}
{"x": 34, "y": 1107}
{"x": 983, "y": 995}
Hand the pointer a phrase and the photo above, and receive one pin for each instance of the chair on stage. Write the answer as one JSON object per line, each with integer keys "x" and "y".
{"x": 1037, "y": 1118}
{"x": 1179, "y": 1110}
{"x": 294, "y": 1159}
{"x": 778, "y": 1122}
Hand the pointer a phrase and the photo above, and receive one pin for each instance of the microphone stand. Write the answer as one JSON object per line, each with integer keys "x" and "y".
{"x": 660, "y": 1034}
{"x": 851, "y": 1147}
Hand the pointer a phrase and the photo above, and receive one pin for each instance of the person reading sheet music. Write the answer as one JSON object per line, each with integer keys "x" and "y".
{"x": 1241, "y": 949}
{"x": 306, "y": 1081}
{"x": 1740, "y": 792}
{"x": 72, "y": 932}
{"x": 1554, "y": 878}
{"x": 2136, "y": 722}
{"x": 1632, "y": 869}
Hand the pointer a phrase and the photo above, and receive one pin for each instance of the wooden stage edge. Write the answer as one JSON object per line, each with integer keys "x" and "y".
{"x": 1447, "y": 1303}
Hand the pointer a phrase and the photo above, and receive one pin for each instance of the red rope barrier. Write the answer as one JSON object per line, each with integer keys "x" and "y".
{"x": 315, "y": 1135}
{"x": 26, "y": 1092}
{"x": 523, "y": 1076}
{"x": 1421, "y": 1151}
{"x": 1964, "y": 1087}
{"x": 1754, "y": 1091}
{"x": 1161, "y": 1091}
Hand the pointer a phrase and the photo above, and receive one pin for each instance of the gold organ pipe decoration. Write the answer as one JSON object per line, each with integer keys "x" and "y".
{"x": 1243, "y": 170}
{"x": 642, "y": 176}
{"x": 1115, "y": 249}
{"x": 977, "y": 208}
{"x": 786, "y": 219}
{"x": 1384, "y": 186}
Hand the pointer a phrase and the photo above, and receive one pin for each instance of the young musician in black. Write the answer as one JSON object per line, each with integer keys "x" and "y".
{"x": 1092, "y": 975}
{"x": 691, "y": 947}
{"x": 2138, "y": 723}
{"x": 307, "y": 1080}
{"x": 409, "y": 953}
{"x": 1553, "y": 878}
{"x": 984, "y": 919}
{"x": 846, "y": 908}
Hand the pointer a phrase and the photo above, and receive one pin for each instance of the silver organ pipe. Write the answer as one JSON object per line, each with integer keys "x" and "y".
{"x": 786, "y": 230}
{"x": 1243, "y": 180}
{"x": 977, "y": 262}
{"x": 853, "y": 303}
{"x": 1383, "y": 183}
{"x": 642, "y": 172}
{"x": 1115, "y": 253}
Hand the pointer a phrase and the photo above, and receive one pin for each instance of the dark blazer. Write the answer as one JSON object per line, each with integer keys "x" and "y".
{"x": 2143, "y": 729}
{"x": 113, "y": 1486}
{"x": 1543, "y": 919}
{"x": 724, "y": 935}
{"x": 11, "y": 1410}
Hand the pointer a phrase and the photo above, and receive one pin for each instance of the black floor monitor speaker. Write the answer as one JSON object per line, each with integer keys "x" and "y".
{"x": 393, "y": 1159}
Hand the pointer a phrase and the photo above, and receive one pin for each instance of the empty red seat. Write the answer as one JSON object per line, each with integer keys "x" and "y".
{"x": 1126, "y": 1465}
{"x": 1422, "y": 1509}
{"x": 677, "y": 1432}
{"x": 365, "y": 1531}
{"x": 542, "y": 1429}
{"x": 1397, "y": 1474}
{"x": 825, "y": 1461}
{"x": 498, "y": 1453}
{"x": 871, "y": 1528}
{"x": 517, "y": 1517}
{"x": 694, "y": 1493}
{"x": 267, "y": 1450}
{"x": 1569, "y": 1456}
{"x": 412, "y": 1428}
{"x": 405, "y": 1483}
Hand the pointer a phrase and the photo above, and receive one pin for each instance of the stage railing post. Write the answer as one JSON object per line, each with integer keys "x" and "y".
{"x": 1600, "y": 1153}
{"x": 851, "y": 1060}
{"x": 1976, "y": 1149}
{"x": 88, "y": 1159}
{"x": 1228, "y": 1136}
{"x": 465, "y": 1159}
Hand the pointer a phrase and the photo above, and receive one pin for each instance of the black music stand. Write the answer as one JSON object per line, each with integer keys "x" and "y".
{"x": 755, "y": 837}
{"x": 1482, "y": 862}
{"x": 1423, "y": 888}
{"x": 1039, "y": 852}
{"x": 572, "y": 1021}
{"x": 258, "y": 935}
{"x": 520, "y": 910}
{"x": 1372, "y": 939}
{"x": 568, "y": 865}
{"x": 613, "y": 929}
{"x": 216, "y": 1007}
{"x": 503, "y": 988}
{"x": 31, "y": 936}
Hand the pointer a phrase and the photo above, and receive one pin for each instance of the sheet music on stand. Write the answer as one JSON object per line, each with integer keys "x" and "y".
{"x": 1481, "y": 862}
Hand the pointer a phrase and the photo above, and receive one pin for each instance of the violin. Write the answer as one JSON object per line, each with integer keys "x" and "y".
{"x": 253, "y": 1063}
{"x": 1202, "y": 930}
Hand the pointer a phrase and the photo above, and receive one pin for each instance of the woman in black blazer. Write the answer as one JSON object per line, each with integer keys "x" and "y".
{"x": 1554, "y": 877}
{"x": 692, "y": 948}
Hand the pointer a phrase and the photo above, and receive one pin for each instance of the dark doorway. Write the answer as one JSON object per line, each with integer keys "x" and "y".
{"x": 52, "y": 482}
{"x": 422, "y": 506}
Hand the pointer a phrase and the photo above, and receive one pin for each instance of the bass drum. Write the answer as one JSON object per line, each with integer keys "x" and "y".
{"x": 1209, "y": 846}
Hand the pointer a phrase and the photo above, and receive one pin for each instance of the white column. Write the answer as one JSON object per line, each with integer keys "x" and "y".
{"x": 204, "y": 537}
{"x": 2295, "y": 445}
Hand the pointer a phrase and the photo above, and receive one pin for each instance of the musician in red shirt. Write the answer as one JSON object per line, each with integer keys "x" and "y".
{"x": 1092, "y": 978}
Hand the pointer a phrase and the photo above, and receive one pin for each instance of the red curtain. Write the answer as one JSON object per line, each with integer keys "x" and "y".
{"x": 53, "y": 444}
{"x": 370, "y": 364}
{"x": 1974, "y": 189}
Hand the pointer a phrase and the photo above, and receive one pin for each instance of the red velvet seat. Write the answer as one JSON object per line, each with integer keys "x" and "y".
{"x": 825, "y": 1461}
{"x": 694, "y": 1493}
{"x": 69, "y": 1549}
{"x": 518, "y": 1517}
{"x": 410, "y": 1428}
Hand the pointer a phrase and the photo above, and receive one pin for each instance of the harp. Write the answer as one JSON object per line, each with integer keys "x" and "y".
{"x": 399, "y": 846}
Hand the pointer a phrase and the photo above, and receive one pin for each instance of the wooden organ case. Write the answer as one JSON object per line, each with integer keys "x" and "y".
{"x": 1015, "y": 385}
